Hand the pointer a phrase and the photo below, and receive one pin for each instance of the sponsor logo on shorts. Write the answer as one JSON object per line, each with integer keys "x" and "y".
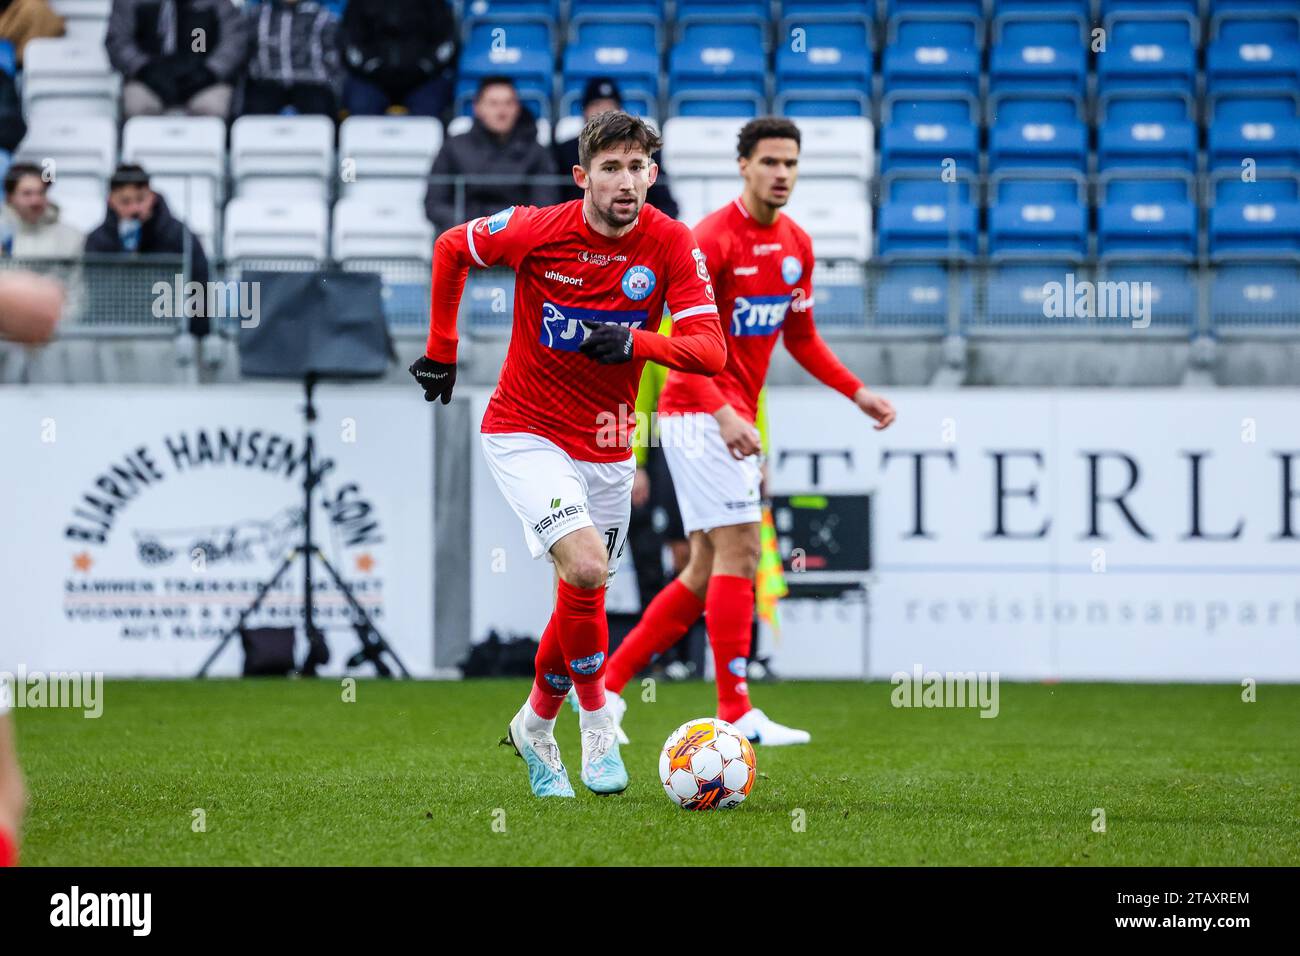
{"x": 758, "y": 314}
{"x": 737, "y": 666}
{"x": 561, "y": 277}
{"x": 791, "y": 269}
{"x": 562, "y": 327}
{"x": 639, "y": 282}
{"x": 588, "y": 665}
{"x": 738, "y": 505}
{"x": 559, "y": 681}
{"x": 559, "y": 516}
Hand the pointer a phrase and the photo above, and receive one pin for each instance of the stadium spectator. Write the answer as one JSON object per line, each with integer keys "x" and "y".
{"x": 12, "y": 126}
{"x": 23, "y": 20}
{"x": 29, "y": 222}
{"x": 401, "y": 56}
{"x": 178, "y": 56}
{"x": 500, "y": 154}
{"x": 295, "y": 66}
{"x": 601, "y": 94}
{"x": 138, "y": 222}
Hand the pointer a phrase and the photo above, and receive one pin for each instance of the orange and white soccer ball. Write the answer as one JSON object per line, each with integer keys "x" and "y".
{"x": 707, "y": 764}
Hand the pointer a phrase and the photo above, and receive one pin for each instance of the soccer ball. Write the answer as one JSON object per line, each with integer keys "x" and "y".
{"x": 707, "y": 764}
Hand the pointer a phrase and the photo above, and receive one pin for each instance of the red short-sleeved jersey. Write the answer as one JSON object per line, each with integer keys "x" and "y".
{"x": 568, "y": 273}
{"x": 762, "y": 276}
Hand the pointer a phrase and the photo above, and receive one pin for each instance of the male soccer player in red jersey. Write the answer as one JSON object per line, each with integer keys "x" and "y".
{"x": 761, "y": 264}
{"x": 594, "y": 276}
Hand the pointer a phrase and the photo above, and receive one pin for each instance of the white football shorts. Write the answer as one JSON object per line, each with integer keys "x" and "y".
{"x": 554, "y": 494}
{"x": 714, "y": 490}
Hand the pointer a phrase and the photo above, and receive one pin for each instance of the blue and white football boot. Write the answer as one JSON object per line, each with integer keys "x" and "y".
{"x": 602, "y": 766}
{"x": 546, "y": 774}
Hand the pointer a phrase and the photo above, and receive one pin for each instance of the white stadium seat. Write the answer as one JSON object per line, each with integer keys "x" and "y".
{"x": 193, "y": 201}
{"x": 68, "y": 77}
{"x": 81, "y": 211}
{"x": 387, "y": 158}
{"x": 364, "y": 229}
{"x": 189, "y": 146}
{"x": 282, "y": 157}
{"x": 79, "y": 151}
{"x": 276, "y": 229}
{"x": 840, "y": 226}
{"x": 701, "y": 146}
{"x": 836, "y": 146}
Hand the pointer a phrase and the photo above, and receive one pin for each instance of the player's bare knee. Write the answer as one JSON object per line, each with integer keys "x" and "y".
{"x": 586, "y": 570}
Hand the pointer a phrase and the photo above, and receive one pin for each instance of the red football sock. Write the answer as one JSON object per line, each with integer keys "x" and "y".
{"x": 8, "y": 849}
{"x": 662, "y": 624}
{"x": 583, "y": 632}
{"x": 552, "y": 681}
{"x": 729, "y": 617}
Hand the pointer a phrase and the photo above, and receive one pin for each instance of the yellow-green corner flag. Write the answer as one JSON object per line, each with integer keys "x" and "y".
{"x": 769, "y": 582}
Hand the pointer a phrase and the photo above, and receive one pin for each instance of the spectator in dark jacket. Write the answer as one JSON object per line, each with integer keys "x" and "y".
{"x": 12, "y": 127}
{"x": 400, "y": 53}
{"x": 600, "y": 95}
{"x": 500, "y": 156}
{"x": 139, "y": 222}
{"x": 177, "y": 55}
{"x": 295, "y": 67}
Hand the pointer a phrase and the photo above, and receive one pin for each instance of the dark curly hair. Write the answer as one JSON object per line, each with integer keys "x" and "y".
{"x": 765, "y": 127}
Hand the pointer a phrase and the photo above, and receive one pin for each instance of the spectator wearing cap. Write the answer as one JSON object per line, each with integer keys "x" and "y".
{"x": 295, "y": 66}
{"x": 401, "y": 57}
{"x": 139, "y": 222}
{"x": 500, "y": 154}
{"x": 600, "y": 95}
{"x": 177, "y": 56}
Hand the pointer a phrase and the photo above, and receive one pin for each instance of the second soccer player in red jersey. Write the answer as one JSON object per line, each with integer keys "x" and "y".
{"x": 762, "y": 265}
{"x": 593, "y": 278}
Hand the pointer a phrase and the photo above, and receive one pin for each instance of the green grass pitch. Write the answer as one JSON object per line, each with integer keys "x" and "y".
{"x": 288, "y": 773}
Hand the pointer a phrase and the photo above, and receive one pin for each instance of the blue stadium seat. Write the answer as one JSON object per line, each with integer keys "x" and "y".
{"x": 936, "y": 230}
{"x": 526, "y": 58}
{"x": 1038, "y": 230}
{"x": 1254, "y": 55}
{"x": 1037, "y": 54}
{"x": 753, "y": 11}
{"x": 834, "y": 63}
{"x": 924, "y": 189}
{"x": 1079, "y": 8}
{"x": 613, "y": 9}
{"x": 932, "y": 53}
{"x": 1148, "y": 145}
{"x": 1131, "y": 106}
{"x": 1168, "y": 290}
{"x": 973, "y": 8}
{"x": 1189, "y": 7}
{"x": 1148, "y": 53}
{"x": 1253, "y": 295}
{"x": 1271, "y": 142}
{"x": 629, "y": 31}
{"x": 1122, "y": 188}
{"x": 718, "y": 70}
{"x": 1016, "y": 189}
{"x": 1015, "y": 295}
{"x": 1038, "y": 145}
{"x": 1018, "y": 107}
{"x": 918, "y": 296}
{"x": 926, "y": 144}
{"x": 624, "y": 50}
{"x": 1148, "y": 227}
{"x": 1254, "y": 229}
{"x": 1228, "y": 187}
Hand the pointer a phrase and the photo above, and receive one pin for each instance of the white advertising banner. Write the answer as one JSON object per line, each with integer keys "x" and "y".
{"x": 140, "y": 521}
{"x": 1143, "y": 535}
{"x": 1083, "y": 534}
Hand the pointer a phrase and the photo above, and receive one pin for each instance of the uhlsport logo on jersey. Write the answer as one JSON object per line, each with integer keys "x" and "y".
{"x": 588, "y": 665}
{"x": 498, "y": 221}
{"x": 791, "y": 270}
{"x": 758, "y": 314}
{"x": 638, "y": 282}
{"x": 562, "y": 326}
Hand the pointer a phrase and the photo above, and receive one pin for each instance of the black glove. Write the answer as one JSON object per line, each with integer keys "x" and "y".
{"x": 607, "y": 343}
{"x": 436, "y": 378}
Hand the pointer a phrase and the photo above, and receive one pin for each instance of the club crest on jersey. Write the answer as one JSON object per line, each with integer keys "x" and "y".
{"x": 758, "y": 314}
{"x": 562, "y": 326}
{"x": 498, "y": 221}
{"x": 701, "y": 269}
{"x": 791, "y": 270}
{"x": 638, "y": 282}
